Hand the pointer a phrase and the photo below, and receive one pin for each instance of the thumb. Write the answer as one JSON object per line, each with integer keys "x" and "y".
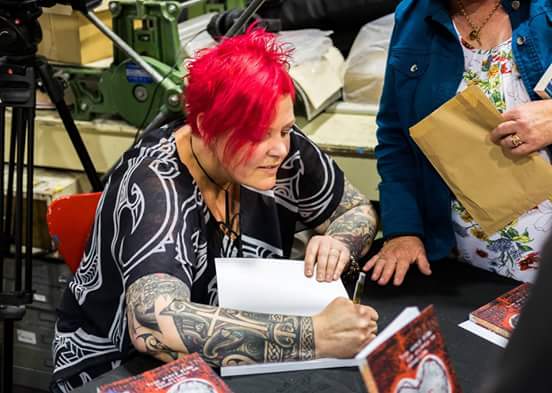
{"x": 423, "y": 263}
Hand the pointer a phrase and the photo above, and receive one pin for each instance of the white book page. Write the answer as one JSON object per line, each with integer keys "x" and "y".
{"x": 488, "y": 335}
{"x": 272, "y": 286}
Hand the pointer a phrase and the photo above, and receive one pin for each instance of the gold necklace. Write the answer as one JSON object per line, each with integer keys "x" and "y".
{"x": 475, "y": 33}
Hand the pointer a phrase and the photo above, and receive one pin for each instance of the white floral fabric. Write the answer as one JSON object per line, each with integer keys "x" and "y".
{"x": 515, "y": 250}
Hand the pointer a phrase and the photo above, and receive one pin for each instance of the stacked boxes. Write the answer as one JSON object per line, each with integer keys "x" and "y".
{"x": 33, "y": 335}
{"x": 68, "y": 37}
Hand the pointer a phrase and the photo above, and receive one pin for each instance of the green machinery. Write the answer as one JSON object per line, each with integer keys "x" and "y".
{"x": 138, "y": 92}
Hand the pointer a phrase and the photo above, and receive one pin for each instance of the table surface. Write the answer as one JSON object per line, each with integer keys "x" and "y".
{"x": 454, "y": 289}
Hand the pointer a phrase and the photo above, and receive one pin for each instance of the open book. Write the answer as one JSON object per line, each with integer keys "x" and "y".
{"x": 280, "y": 286}
{"x": 318, "y": 84}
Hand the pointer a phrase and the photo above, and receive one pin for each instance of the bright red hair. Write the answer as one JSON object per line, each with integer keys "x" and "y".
{"x": 236, "y": 86}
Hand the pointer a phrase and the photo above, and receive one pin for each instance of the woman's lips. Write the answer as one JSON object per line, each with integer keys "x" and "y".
{"x": 270, "y": 168}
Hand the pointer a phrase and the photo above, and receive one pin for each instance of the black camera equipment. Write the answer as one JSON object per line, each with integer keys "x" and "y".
{"x": 21, "y": 72}
{"x": 233, "y": 22}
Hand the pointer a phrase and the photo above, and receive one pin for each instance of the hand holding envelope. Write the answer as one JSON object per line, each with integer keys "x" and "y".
{"x": 493, "y": 187}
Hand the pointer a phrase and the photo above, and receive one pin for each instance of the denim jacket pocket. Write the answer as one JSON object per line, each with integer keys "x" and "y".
{"x": 409, "y": 64}
{"x": 411, "y": 88}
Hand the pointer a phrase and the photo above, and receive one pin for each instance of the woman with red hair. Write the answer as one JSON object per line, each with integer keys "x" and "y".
{"x": 237, "y": 180}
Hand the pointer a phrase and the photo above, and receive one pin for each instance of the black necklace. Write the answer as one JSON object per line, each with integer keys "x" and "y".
{"x": 228, "y": 222}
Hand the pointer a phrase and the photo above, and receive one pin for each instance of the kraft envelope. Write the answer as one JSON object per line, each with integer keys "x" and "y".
{"x": 495, "y": 188}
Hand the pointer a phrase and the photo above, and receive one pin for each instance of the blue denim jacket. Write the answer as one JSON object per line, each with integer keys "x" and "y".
{"x": 424, "y": 70}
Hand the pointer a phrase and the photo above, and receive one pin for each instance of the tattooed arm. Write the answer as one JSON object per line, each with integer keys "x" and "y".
{"x": 348, "y": 232}
{"x": 164, "y": 323}
{"x": 354, "y": 221}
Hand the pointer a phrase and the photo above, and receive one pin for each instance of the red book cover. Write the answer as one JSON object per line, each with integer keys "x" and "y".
{"x": 188, "y": 374}
{"x": 413, "y": 360}
{"x": 501, "y": 315}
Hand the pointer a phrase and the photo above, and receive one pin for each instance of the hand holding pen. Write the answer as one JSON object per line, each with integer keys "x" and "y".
{"x": 357, "y": 295}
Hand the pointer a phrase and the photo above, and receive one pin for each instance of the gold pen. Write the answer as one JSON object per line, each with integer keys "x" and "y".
{"x": 359, "y": 288}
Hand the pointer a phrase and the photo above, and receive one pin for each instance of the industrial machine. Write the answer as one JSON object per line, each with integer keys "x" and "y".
{"x": 138, "y": 89}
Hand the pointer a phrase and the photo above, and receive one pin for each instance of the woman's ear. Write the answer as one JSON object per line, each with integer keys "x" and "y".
{"x": 199, "y": 124}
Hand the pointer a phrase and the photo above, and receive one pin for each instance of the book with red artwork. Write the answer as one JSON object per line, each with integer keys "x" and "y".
{"x": 188, "y": 374}
{"x": 501, "y": 315}
{"x": 413, "y": 359}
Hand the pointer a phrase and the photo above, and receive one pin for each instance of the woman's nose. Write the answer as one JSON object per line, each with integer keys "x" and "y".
{"x": 279, "y": 148}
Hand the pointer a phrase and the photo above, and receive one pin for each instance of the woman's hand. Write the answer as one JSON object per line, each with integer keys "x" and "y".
{"x": 342, "y": 329}
{"x": 331, "y": 257}
{"x": 395, "y": 257}
{"x": 527, "y": 128}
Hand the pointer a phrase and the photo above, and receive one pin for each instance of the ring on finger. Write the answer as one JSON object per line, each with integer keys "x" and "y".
{"x": 334, "y": 252}
{"x": 516, "y": 140}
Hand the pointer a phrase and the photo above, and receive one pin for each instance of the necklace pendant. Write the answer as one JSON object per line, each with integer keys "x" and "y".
{"x": 474, "y": 35}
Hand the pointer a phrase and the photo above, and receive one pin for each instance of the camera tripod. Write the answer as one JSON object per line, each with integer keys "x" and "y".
{"x": 21, "y": 72}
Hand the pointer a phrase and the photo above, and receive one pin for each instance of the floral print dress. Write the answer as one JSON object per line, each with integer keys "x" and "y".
{"x": 515, "y": 250}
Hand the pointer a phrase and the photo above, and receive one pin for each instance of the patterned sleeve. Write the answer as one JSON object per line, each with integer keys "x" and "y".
{"x": 312, "y": 183}
{"x": 151, "y": 223}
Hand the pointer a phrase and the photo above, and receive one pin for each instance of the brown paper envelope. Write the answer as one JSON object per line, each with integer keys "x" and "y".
{"x": 495, "y": 188}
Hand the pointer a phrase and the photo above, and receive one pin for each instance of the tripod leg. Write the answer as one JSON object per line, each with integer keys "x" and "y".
{"x": 10, "y": 313}
{"x": 11, "y": 169}
{"x": 4, "y": 242}
{"x": 55, "y": 92}
{"x": 18, "y": 230}
{"x": 30, "y": 118}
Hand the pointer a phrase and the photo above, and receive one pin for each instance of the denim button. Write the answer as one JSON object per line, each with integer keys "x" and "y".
{"x": 520, "y": 40}
{"x": 414, "y": 68}
{"x": 515, "y": 5}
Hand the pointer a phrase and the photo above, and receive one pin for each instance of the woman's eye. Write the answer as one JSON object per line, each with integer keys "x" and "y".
{"x": 286, "y": 131}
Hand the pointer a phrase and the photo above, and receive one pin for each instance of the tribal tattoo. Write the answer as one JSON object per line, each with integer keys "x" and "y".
{"x": 354, "y": 221}
{"x": 163, "y": 321}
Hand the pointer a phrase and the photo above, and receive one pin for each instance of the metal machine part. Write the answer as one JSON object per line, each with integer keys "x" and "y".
{"x": 146, "y": 76}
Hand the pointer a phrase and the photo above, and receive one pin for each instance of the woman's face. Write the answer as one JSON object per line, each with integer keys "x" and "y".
{"x": 256, "y": 165}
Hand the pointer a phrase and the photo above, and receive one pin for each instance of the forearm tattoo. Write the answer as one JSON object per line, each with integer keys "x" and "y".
{"x": 164, "y": 321}
{"x": 354, "y": 222}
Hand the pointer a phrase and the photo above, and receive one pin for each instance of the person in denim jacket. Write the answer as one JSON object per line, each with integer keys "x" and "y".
{"x": 437, "y": 49}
